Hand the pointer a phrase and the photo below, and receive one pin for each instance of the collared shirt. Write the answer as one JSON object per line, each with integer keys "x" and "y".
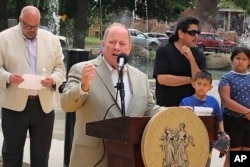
{"x": 114, "y": 77}
{"x": 127, "y": 88}
{"x": 31, "y": 46}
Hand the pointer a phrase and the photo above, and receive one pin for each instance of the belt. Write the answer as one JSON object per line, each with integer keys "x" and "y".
{"x": 33, "y": 97}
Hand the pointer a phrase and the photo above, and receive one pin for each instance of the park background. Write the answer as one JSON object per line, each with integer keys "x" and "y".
{"x": 81, "y": 23}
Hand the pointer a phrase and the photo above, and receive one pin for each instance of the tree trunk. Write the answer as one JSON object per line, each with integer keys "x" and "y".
{"x": 80, "y": 23}
{"x": 3, "y": 15}
{"x": 19, "y": 5}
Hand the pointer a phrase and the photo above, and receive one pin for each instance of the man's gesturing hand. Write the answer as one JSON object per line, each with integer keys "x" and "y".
{"x": 88, "y": 74}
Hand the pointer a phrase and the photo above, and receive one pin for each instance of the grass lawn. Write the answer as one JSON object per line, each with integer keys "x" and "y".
{"x": 92, "y": 42}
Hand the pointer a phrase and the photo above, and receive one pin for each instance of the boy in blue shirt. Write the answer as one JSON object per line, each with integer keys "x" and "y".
{"x": 202, "y": 83}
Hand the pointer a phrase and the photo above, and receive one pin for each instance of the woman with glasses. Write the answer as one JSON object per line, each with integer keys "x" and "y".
{"x": 177, "y": 62}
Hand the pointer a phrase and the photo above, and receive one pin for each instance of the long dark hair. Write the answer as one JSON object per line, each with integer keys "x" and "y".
{"x": 238, "y": 50}
{"x": 183, "y": 25}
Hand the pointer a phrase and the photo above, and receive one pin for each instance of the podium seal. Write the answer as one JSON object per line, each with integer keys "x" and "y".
{"x": 175, "y": 137}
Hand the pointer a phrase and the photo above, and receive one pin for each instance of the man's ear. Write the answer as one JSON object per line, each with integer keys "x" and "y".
{"x": 130, "y": 47}
{"x": 180, "y": 33}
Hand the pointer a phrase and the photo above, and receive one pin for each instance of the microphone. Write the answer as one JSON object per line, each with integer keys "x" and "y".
{"x": 121, "y": 60}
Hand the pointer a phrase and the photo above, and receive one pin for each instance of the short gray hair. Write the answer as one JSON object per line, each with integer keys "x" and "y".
{"x": 116, "y": 25}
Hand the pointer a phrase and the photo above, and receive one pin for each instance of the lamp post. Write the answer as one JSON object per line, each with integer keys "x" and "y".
{"x": 100, "y": 8}
{"x": 101, "y": 17}
{"x": 146, "y": 6}
{"x": 134, "y": 11}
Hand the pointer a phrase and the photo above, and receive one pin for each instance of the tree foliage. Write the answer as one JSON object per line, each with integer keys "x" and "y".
{"x": 83, "y": 12}
{"x": 3, "y": 16}
{"x": 243, "y": 4}
{"x": 167, "y": 10}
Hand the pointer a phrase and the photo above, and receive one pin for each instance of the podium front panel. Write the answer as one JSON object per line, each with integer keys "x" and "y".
{"x": 175, "y": 137}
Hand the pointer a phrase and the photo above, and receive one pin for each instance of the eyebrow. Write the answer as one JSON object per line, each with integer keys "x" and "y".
{"x": 30, "y": 26}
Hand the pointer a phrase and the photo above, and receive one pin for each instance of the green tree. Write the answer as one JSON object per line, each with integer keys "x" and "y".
{"x": 80, "y": 11}
{"x": 243, "y": 4}
{"x": 166, "y": 10}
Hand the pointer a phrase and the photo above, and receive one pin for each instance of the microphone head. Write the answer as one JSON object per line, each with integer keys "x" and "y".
{"x": 124, "y": 56}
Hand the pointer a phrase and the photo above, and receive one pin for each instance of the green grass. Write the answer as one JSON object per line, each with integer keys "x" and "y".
{"x": 92, "y": 42}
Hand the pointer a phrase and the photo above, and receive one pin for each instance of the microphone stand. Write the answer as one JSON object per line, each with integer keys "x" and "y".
{"x": 120, "y": 87}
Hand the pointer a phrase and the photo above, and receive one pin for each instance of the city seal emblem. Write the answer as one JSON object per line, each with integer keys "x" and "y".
{"x": 175, "y": 137}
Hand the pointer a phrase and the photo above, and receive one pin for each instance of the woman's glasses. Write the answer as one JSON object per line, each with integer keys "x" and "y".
{"x": 193, "y": 32}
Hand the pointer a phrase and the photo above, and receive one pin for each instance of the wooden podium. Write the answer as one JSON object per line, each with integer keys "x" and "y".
{"x": 123, "y": 137}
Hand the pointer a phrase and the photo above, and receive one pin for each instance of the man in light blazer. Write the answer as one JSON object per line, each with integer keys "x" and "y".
{"x": 26, "y": 49}
{"x": 90, "y": 92}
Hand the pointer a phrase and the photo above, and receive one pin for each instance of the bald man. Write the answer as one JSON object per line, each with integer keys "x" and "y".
{"x": 26, "y": 49}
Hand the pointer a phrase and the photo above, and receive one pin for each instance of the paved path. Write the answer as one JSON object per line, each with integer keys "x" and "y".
{"x": 57, "y": 148}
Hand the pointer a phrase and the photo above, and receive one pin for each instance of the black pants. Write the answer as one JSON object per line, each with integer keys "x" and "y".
{"x": 15, "y": 126}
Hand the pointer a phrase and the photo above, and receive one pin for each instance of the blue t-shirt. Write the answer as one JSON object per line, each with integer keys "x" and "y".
{"x": 210, "y": 101}
{"x": 239, "y": 90}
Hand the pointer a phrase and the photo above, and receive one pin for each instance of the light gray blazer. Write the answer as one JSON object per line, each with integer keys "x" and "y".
{"x": 90, "y": 107}
{"x": 14, "y": 58}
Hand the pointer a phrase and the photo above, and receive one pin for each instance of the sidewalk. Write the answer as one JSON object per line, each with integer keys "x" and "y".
{"x": 57, "y": 147}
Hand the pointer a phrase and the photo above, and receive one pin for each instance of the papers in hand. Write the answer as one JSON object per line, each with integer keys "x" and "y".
{"x": 32, "y": 82}
{"x": 203, "y": 111}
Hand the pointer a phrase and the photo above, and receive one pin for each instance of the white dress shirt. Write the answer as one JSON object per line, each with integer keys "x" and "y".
{"x": 31, "y": 46}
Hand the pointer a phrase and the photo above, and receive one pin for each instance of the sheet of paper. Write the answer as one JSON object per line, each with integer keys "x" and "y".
{"x": 32, "y": 81}
{"x": 203, "y": 110}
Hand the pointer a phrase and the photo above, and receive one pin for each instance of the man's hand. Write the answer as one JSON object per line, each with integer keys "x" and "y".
{"x": 15, "y": 79}
{"x": 47, "y": 82}
{"x": 88, "y": 74}
{"x": 186, "y": 51}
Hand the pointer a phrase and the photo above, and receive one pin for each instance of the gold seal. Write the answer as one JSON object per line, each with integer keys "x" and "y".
{"x": 175, "y": 137}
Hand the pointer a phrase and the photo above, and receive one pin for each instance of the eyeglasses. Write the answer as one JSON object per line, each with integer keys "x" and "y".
{"x": 30, "y": 27}
{"x": 192, "y": 32}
